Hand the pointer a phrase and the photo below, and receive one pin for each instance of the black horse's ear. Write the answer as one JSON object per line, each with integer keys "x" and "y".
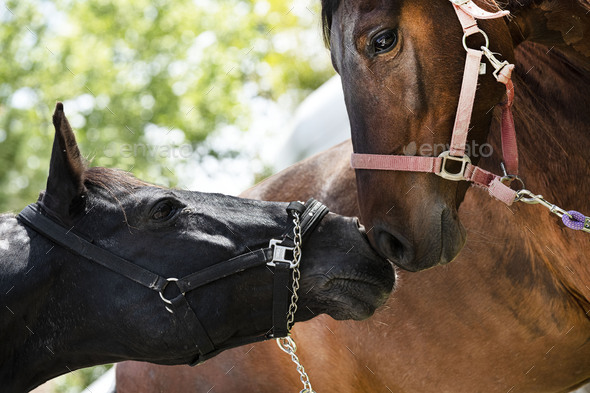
{"x": 65, "y": 184}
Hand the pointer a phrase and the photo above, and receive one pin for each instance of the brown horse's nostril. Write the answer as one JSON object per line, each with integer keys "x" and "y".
{"x": 395, "y": 248}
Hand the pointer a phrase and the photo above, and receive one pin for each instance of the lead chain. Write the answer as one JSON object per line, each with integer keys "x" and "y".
{"x": 287, "y": 344}
{"x": 296, "y": 274}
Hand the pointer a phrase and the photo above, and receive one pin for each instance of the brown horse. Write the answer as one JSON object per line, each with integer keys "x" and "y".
{"x": 511, "y": 313}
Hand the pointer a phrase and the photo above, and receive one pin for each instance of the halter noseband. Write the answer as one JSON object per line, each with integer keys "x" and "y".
{"x": 275, "y": 255}
{"x": 467, "y": 13}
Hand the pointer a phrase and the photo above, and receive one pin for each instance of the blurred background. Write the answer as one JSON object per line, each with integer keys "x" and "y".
{"x": 183, "y": 94}
{"x": 195, "y": 94}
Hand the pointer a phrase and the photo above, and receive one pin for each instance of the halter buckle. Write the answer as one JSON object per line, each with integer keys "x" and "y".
{"x": 445, "y": 174}
{"x": 279, "y": 254}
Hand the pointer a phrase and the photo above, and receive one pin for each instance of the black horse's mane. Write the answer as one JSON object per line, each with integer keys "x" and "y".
{"x": 110, "y": 179}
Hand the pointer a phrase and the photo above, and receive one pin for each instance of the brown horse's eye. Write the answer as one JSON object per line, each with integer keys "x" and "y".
{"x": 384, "y": 42}
{"x": 162, "y": 211}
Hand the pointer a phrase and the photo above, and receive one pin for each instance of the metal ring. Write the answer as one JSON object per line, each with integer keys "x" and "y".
{"x": 161, "y": 291}
{"x": 511, "y": 178}
{"x": 465, "y": 35}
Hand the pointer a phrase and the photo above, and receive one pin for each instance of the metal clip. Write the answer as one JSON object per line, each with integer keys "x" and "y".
{"x": 497, "y": 64}
{"x": 445, "y": 174}
{"x": 279, "y": 254}
{"x": 528, "y": 197}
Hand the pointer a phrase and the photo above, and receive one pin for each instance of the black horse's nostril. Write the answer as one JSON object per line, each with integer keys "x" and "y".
{"x": 395, "y": 248}
{"x": 361, "y": 228}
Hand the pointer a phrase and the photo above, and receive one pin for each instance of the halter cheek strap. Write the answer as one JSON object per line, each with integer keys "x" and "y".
{"x": 467, "y": 12}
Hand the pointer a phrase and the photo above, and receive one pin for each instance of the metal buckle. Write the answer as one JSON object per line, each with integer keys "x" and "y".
{"x": 445, "y": 155}
{"x": 279, "y": 253}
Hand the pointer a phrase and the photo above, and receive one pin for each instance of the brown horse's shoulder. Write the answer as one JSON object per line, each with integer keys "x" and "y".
{"x": 326, "y": 176}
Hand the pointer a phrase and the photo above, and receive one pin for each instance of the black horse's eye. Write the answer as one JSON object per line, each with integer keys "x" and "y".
{"x": 162, "y": 211}
{"x": 384, "y": 42}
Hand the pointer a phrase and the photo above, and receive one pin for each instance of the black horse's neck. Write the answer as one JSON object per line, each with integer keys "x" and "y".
{"x": 41, "y": 316}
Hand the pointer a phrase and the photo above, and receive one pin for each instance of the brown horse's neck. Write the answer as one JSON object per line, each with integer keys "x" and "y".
{"x": 552, "y": 114}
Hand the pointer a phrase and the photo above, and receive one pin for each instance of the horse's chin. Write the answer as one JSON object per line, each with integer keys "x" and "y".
{"x": 357, "y": 298}
{"x": 444, "y": 250}
{"x": 442, "y": 245}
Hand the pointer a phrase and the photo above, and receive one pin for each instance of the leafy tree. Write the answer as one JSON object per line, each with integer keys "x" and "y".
{"x": 140, "y": 79}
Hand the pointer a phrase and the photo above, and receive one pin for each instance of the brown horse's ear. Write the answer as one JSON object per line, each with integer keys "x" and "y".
{"x": 65, "y": 191}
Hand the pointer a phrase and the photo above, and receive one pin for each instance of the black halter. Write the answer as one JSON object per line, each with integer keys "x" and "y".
{"x": 275, "y": 255}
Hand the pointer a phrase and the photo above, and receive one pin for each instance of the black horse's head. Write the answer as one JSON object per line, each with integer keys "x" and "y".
{"x": 175, "y": 233}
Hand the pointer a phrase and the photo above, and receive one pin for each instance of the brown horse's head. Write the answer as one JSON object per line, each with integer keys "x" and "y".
{"x": 401, "y": 64}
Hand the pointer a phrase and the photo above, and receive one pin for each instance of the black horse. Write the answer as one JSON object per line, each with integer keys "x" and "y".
{"x": 61, "y": 312}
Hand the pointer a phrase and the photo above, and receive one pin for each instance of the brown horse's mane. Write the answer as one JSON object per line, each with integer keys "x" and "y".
{"x": 329, "y": 7}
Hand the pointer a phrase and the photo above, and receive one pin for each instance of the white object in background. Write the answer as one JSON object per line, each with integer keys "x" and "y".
{"x": 321, "y": 121}
{"x": 104, "y": 384}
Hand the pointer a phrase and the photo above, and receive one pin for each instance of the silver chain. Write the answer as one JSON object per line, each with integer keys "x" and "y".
{"x": 287, "y": 344}
{"x": 296, "y": 273}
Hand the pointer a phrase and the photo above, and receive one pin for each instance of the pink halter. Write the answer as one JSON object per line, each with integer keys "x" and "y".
{"x": 468, "y": 13}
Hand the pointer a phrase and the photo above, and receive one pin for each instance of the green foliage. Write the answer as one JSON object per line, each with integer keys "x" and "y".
{"x": 75, "y": 381}
{"x": 135, "y": 73}
{"x": 131, "y": 73}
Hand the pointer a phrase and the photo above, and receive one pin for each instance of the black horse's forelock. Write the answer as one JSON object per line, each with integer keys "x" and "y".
{"x": 328, "y": 9}
{"x": 109, "y": 179}
{"x": 113, "y": 181}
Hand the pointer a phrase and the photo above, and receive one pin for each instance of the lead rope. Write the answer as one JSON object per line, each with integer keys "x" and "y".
{"x": 287, "y": 344}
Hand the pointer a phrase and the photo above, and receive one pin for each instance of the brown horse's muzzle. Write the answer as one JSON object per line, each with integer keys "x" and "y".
{"x": 437, "y": 237}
